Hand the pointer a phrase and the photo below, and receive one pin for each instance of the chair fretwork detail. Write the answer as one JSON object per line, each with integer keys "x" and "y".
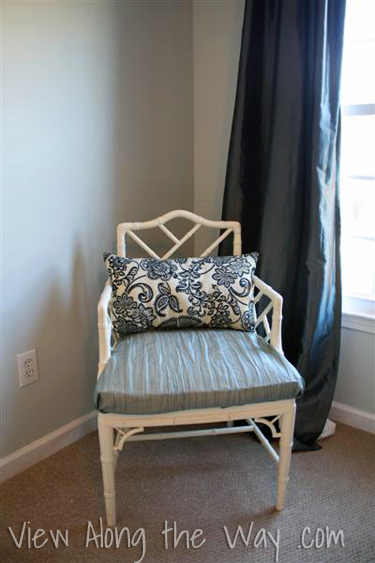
{"x": 127, "y": 229}
{"x": 269, "y": 317}
{"x": 142, "y": 244}
{"x": 180, "y": 242}
{"x": 132, "y": 435}
{"x": 270, "y": 424}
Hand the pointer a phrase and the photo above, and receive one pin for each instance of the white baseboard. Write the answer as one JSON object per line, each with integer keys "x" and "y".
{"x": 353, "y": 417}
{"x": 40, "y": 449}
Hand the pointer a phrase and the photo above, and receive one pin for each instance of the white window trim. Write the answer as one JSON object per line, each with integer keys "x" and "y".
{"x": 351, "y": 110}
{"x": 354, "y": 321}
{"x": 358, "y": 314}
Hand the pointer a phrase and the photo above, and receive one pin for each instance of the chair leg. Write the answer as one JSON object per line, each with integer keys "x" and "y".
{"x": 286, "y": 443}
{"x": 108, "y": 468}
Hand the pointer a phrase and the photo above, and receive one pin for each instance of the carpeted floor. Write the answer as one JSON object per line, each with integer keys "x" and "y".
{"x": 205, "y": 483}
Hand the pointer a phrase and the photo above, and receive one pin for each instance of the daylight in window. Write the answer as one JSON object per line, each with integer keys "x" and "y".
{"x": 357, "y": 184}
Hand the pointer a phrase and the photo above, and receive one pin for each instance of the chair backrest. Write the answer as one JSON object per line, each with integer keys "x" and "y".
{"x": 128, "y": 229}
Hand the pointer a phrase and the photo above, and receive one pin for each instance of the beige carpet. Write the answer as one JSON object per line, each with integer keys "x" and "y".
{"x": 205, "y": 483}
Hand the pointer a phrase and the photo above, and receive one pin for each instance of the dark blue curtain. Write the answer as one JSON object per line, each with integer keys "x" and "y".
{"x": 282, "y": 181}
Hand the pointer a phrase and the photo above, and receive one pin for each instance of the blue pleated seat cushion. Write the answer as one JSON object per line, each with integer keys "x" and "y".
{"x": 173, "y": 370}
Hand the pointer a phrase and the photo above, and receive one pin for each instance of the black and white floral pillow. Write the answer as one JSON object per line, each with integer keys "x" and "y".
{"x": 215, "y": 292}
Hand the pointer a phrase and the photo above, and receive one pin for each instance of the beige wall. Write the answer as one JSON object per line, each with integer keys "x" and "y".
{"x": 217, "y": 27}
{"x": 98, "y": 128}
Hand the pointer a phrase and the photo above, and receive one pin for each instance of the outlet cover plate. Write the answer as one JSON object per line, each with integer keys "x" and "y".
{"x": 27, "y": 368}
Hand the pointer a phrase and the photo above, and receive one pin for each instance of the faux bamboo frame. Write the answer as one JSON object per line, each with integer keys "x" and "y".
{"x": 115, "y": 430}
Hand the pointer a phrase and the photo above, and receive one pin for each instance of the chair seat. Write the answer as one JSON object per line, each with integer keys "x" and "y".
{"x": 173, "y": 370}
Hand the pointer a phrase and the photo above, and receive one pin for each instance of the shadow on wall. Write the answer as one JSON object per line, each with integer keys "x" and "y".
{"x": 217, "y": 42}
{"x": 153, "y": 128}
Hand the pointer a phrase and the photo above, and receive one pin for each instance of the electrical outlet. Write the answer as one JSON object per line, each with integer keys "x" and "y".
{"x": 27, "y": 368}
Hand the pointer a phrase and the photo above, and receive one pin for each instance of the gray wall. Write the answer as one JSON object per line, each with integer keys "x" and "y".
{"x": 98, "y": 129}
{"x": 356, "y": 379}
{"x": 217, "y": 42}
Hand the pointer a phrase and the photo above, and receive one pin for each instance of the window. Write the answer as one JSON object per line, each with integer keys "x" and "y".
{"x": 357, "y": 185}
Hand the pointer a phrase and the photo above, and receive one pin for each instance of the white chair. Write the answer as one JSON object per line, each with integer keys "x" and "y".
{"x": 116, "y": 429}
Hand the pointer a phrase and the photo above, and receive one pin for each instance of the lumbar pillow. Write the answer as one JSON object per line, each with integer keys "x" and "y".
{"x": 216, "y": 292}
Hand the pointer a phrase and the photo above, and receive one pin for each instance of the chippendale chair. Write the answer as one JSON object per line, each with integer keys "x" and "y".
{"x": 273, "y": 396}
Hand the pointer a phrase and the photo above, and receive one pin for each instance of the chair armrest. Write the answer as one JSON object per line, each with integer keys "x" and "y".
{"x": 273, "y": 333}
{"x": 104, "y": 327}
